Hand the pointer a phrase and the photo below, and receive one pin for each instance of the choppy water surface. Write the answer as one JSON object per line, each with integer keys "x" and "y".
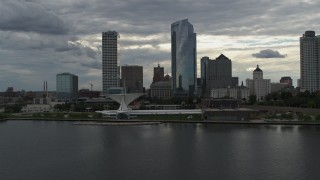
{"x": 59, "y": 150}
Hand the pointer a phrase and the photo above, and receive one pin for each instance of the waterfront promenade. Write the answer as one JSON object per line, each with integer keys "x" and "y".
{"x": 144, "y": 122}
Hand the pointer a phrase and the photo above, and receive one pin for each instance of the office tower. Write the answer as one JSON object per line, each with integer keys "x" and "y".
{"x": 217, "y": 74}
{"x": 110, "y": 60}
{"x": 287, "y": 80}
{"x": 161, "y": 86}
{"x": 310, "y": 62}
{"x": 132, "y": 78}
{"x": 258, "y": 86}
{"x": 67, "y": 86}
{"x": 161, "y": 90}
{"x": 183, "y": 58}
{"x": 204, "y": 64}
{"x": 158, "y": 74}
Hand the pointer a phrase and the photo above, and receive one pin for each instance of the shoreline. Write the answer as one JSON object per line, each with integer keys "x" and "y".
{"x": 137, "y": 121}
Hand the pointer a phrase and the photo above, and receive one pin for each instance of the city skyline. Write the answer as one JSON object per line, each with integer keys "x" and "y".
{"x": 41, "y": 38}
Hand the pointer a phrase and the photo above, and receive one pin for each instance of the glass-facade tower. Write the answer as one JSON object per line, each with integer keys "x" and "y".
{"x": 67, "y": 86}
{"x": 183, "y": 58}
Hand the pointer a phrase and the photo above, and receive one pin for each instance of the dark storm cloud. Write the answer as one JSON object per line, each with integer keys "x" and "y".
{"x": 21, "y": 15}
{"x": 143, "y": 56}
{"x": 46, "y": 43}
{"x": 145, "y": 17}
{"x": 78, "y": 49}
{"x": 268, "y": 53}
{"x": 219, "y": 17}
{"x": 92, "y": 65}
{"x": 154, "y": 41}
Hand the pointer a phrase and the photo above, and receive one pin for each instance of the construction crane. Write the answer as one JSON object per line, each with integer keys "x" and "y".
{"x": 91, "y": 86}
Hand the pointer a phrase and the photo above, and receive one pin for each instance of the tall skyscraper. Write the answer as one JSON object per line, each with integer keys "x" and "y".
{"x": 67, "y": 86}
{"x": 217, "y": 74}
{"x": 310, "y": 62}
{"x": 110, "y": 60}
{"x": 183, "y": 58}
{"x": 132, "y": 78}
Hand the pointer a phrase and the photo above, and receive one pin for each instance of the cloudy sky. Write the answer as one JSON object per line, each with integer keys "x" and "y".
{"x": 40, "y": 38}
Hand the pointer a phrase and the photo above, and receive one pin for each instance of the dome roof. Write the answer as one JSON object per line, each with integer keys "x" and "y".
{"x": 257, "y": 69}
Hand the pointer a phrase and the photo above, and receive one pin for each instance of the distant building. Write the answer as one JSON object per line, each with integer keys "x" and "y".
{"x": 217, "y": 74}
{"x": 240, "y": 92}
{"x": 161, "y": 90}
{"x": 9, "y": 89}
{"x": 161, "y": 86}
{"x": 110, "y": 60}
{"x": 67, "y": 86}
{"x": 41, "y": 105}
{"x": 132, "y": 78}
{"x": 310, "y": 62}
{"x": 275, "y": 87}
{"x": 10, "y": 93}
{"x": 158, "y": 74}
{"x": 258, "y": 86}
{"x": 116, "y": 90}
{"x": 199, "y": 87}
{"x": 86, "y": 93}
{"x": 183, "y": 58}
{"x": 287, "y": 80}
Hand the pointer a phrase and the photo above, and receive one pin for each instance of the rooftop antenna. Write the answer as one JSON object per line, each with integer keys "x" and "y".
{"x": 91, "y": 85}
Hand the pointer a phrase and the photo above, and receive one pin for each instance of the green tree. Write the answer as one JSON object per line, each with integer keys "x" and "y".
{"x": 286, "y": 95}
{"x": 13, "y": 108}
{"x": 252, "y": 99}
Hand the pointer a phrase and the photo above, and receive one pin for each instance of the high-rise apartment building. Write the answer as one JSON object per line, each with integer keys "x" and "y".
{"x": 132, "y": 78}
{"x": 217, "y": 74}
{"x": 183, "y": 58}
{"x": 67, "y": 86}
{"x": 310, "y": 62}
{"x": 110, "y": 60}
{"x": 258, "y": 86}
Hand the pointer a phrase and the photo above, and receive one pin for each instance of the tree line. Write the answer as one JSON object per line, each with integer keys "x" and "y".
{"x": 301, "y": 100}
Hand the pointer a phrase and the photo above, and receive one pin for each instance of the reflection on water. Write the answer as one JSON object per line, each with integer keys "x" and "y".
{"x": 60, "y": 150}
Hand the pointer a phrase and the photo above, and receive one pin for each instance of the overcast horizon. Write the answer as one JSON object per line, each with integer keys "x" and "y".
{"x": 42, "y": 38}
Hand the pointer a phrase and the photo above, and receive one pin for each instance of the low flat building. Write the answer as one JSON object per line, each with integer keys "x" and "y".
{"x": 163, "y": 107}
{"x": 275, "y": 87}
{"x": 220, "y": 103}
{"x": 36, "y": 108}
{"x": 240, "y": 92}
{"x": 41, "y": 105}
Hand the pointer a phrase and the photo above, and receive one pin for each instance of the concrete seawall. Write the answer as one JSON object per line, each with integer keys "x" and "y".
{"x": 128, "y": 122}
{"x": 278, "y": 109}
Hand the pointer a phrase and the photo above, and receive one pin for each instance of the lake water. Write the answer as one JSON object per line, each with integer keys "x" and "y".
{"x": 48, "y": 150}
